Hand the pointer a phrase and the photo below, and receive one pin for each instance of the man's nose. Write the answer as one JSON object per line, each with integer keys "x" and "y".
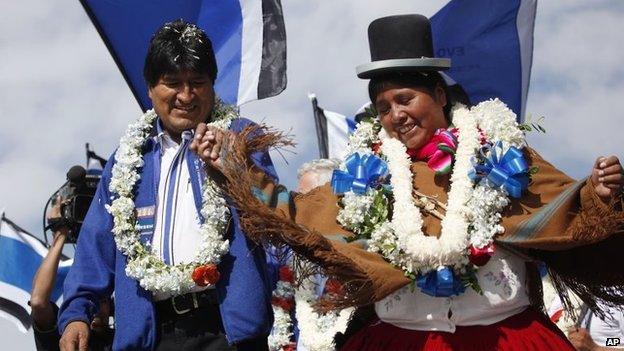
{"x": 185, "y": 94}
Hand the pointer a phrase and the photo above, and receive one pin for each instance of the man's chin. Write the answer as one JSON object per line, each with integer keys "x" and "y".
{"x": 182, "y": 124}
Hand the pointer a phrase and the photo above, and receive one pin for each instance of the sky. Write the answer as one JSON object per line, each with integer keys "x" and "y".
{"x": 60, "y": 89}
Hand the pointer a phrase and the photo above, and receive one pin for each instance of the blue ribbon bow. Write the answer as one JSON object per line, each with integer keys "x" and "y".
{"x": 509, "y": 171}
{"x": 440, "y": 283}
{"x": 362, "y": 172}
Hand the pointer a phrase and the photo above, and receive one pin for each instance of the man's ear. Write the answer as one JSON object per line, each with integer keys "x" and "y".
{"x": 149, "y": 92}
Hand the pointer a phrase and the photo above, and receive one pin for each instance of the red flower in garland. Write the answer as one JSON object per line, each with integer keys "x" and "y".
{"x": 479, "y": 257}
{"x": 375, "y": 147}
{"x": 286, "y": 274}
{"x": 286, "y": 304}
{"x": 332, "y": 286}
{"x": 206, "y": 274}
{"x": 482, "y": 137}
{"x": 290, "y": 347}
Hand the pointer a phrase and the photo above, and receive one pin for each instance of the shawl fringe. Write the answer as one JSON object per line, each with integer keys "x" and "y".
{"x": 535, "y": 287}
{"x": 593, "y": 272}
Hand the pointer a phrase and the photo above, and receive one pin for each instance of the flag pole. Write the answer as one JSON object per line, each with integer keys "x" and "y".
{"x": 321, "y": 132}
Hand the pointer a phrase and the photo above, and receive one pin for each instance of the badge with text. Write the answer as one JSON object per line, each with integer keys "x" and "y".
{"x": 145, "y": 221}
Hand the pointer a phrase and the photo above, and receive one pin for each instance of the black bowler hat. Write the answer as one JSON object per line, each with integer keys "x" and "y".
{"x": 401, "y": 44}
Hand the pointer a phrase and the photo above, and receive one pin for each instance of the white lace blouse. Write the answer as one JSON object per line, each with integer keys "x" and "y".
{"x": 502, "y": 279}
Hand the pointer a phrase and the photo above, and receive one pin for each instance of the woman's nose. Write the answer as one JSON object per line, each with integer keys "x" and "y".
{"x": 398, "y": 115}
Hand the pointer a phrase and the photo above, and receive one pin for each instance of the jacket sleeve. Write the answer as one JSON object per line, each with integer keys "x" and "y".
{"x": 91, "y": 277}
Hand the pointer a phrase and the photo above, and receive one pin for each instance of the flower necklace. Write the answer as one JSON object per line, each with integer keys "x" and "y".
{"x": 316, "y": 330}
{"x": 142, "y": 264}
{"x": 283, "y": 302}
{"x": 441, "y": 266}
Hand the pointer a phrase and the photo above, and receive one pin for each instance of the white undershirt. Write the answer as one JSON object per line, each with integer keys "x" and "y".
{"x": 186, "y": 236}
{"x": 502, "y": 279}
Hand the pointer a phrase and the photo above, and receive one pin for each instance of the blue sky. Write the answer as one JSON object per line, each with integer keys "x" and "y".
{"x": 60, "y": 88}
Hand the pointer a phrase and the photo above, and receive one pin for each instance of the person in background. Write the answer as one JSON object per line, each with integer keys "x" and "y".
{"x": 312, "y": 175}
{"x": 315, "y": 173}
{"x": 595, "y": 332}
{"x": 44, "y": 312}
{"x": 563, "y": 319}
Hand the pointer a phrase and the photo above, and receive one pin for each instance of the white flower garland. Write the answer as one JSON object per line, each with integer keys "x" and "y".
{"x": 143, "y": 265}
{"x": 473, "y": 212}
{"x": 317, "y": 331}
{"x": 282, "y": 331}
{"x": 420, "y": 252}
{"x": 356, "y": 209}
{"x": 360, "y": 140}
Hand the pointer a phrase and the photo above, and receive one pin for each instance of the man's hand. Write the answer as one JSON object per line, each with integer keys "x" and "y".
{"x": 581, "y": 340}
{"x": 75, "y": 337}
{"x": 607, "y": 177}
{"x": 55, "y": 214}
{"x": 207, "y": 144}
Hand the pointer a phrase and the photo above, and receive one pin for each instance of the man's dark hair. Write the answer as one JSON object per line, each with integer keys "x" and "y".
{"x": 179, "y": 46}
{"x": 428, "y": 81}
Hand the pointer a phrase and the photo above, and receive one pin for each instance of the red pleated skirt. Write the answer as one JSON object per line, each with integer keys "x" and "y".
{"x": 525, "y": 331}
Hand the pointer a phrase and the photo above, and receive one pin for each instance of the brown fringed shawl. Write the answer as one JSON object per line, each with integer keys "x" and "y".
{"x": 558, "y": 221}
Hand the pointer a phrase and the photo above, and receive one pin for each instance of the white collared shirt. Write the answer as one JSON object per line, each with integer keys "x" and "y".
{"x": 179, "y": 244}
{"x": 502, "y": 279}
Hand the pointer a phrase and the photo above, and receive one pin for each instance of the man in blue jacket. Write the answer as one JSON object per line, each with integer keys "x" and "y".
{"x": 159, "y": 236}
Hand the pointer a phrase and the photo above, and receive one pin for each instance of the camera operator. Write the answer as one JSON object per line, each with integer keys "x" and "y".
{"x": 44, "y": 312}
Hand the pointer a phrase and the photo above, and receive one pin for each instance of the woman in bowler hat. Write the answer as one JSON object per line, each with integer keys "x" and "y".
{"x": 460, "y": 212}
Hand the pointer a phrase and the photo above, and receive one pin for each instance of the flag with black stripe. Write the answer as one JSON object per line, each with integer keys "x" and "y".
{"x": 248, "y": 36}
{"x": 332, "y": 130}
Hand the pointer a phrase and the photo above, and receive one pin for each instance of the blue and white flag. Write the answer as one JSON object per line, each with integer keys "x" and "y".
{"x": 20, "y": 257}
{"x": 490, "y": 44}
{"x": 248, "y": 37}
{"x": 332, "y": 130}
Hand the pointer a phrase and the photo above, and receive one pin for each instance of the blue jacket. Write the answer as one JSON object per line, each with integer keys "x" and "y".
{"x": 244, "y": 289}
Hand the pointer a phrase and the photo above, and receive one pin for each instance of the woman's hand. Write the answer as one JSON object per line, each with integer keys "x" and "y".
{"x": 607, "y": 177}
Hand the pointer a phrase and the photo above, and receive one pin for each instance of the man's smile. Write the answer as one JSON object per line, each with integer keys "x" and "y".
{"x": 185, "y": 108}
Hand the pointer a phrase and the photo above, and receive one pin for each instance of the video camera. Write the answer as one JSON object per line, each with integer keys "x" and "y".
{"x": 76, "y": 195}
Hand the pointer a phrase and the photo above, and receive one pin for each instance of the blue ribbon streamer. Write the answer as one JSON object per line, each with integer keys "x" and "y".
{"x": 509, "y": 171}
{"x": 440, "y": 283}
{"x": 362, "y": 172}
